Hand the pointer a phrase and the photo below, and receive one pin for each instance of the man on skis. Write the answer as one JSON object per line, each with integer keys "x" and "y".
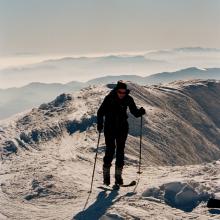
{"x": 114, "y": 109}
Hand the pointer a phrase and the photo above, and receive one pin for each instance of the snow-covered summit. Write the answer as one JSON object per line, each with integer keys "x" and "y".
{"x": 47, "y": 155}
{"x": 181, "y": 125}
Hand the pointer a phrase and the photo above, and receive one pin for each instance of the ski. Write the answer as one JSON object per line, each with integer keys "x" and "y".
{"x": 116, "y": 186}
{"x": 132, "y": 183}
{"x": 106, "y": 188}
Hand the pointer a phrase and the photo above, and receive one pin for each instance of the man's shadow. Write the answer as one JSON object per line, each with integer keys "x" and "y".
{"x": 214, "y": 211}
{"x": 99, "y": 207}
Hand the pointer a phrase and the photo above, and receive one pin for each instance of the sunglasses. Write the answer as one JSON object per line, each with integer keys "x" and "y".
{"x": 121, "y": 92}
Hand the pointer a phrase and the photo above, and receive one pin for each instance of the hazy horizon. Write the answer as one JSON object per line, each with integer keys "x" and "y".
{"x": 22, "y": 59}
{"x": 21, "y": 70}
{"x": 33, "y": 32}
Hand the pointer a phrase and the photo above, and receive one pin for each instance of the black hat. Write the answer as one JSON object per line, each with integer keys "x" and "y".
{"x": 121, "y": 85}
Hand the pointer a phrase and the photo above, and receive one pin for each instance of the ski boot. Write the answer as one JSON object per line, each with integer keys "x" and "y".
{"x": 118, "y": 177}
{"x": 106, "y": 176}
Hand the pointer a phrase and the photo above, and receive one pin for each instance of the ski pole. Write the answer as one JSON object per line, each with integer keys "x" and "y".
{"x": 139, "y": 169}
{"x": 94, "y": 163}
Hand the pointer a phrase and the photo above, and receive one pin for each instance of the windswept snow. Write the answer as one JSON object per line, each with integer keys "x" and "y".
{"x": 47, "y": 157}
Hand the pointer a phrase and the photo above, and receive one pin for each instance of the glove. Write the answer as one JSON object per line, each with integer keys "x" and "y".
{"x": 142, "y": 111}
{"x": 99, "y": 127}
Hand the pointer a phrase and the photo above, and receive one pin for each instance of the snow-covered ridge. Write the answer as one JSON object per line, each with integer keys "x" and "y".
{"x": 67, "y": 113}
{"x": 181, "y": 125}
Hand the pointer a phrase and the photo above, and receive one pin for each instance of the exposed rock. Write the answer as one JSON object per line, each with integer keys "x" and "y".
{"x": 10, "y": 147}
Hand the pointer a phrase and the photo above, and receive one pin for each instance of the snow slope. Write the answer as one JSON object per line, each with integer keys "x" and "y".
{"x": 47, "y": 156}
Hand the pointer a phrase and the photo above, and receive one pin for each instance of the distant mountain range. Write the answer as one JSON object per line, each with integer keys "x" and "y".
{"x": 66, "y": 69}
{"x": 164, "y": 77}
{"x": 14, "y": 100}
{"x": 184, "y": 51}
{"x": 80, "y": 68}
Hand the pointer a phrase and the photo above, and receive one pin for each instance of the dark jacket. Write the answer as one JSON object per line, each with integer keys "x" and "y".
{"x": 115, "y": 111}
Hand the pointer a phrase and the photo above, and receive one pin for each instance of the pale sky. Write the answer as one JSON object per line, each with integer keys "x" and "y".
{"x": 106, "y": 26}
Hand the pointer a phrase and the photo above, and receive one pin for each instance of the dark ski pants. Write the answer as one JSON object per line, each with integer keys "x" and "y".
{"x": 115, "y": 141}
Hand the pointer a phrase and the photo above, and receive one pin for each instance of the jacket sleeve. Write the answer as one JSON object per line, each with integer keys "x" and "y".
{"x": 101, "y": 111}
{"x": 133, "y": 108}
